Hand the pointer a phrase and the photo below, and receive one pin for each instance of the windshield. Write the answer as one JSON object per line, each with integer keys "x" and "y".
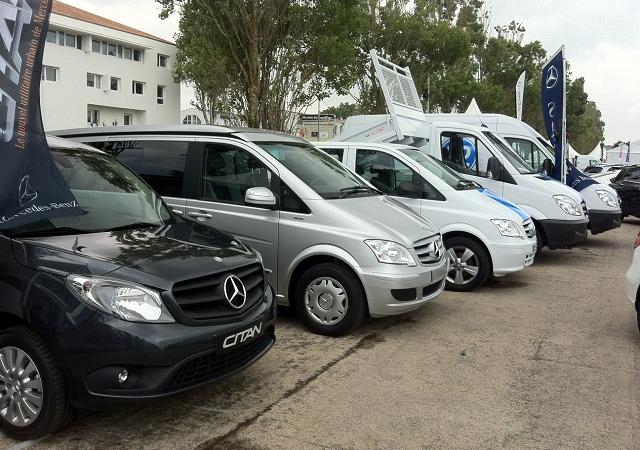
{"x": 318, "y": 170}
{"x": 517, "y": 162}
{"x": 440, "y": 170}
{"x": 110, "y": 196}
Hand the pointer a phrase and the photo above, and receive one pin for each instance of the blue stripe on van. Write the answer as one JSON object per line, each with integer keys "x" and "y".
{"x": 506, "y": 203}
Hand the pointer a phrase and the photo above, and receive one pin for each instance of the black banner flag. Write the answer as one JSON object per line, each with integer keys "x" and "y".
{"x": 31, "y": 187}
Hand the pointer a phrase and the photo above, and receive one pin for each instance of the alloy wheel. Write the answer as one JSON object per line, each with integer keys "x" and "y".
{"x": 21, "y": 392}
{"x": 326, "y": 301}
{"x": 464, "y": 265}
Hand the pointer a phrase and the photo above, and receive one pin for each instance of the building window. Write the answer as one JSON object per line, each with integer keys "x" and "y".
{"x": 49, "y": 73}
{"x": 138, "y": 88}
{"x": 160, "y": 95}
{"x": 192, "y": 119}
{"x": 94, "y": 81}
{"x": 128, "y": 119}
{"x": 52, "y": 37}
{"x": 115, "y": 84}
{"x": 112, "y": 50}
{"x": 70, "y": 40}
{"x": 93, "y": 117}
{"x": 128, "y": 53}
{"x": 163, "y": 60}
{"x": 95, "y": 46}
{"x": 137, "y": 55}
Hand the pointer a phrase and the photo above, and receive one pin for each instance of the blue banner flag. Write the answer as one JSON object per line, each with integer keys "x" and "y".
{"x": 577, "y": 179}
{"x": 31, "y": 187}
{"x": 553, "y": 109}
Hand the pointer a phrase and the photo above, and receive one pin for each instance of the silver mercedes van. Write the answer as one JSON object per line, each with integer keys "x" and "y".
{"x": 336, "y": 248}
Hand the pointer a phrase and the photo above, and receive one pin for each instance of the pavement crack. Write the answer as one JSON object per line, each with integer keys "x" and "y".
{"x": 365, "y": 342}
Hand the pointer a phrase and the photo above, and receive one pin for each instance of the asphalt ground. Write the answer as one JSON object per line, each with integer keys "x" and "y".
{"x": 544, "y": 358}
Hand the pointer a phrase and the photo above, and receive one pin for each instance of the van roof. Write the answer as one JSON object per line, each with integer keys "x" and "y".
{"x": 56, "y": 142}
{"x": 246, "y": 134}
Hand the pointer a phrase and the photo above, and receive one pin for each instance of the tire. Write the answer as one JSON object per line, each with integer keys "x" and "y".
{"x": 342, "y": 293}
{"x": 54, "y": 412}
{"x": 465, "y": 254}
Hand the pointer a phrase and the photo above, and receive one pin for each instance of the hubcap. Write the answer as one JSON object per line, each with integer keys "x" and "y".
{"x": 20, "y": 387}
{"x": 326, "y": 301}
{"x": 463, "y": 265}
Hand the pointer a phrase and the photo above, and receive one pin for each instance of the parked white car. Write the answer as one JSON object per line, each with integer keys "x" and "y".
{"x": 483, "y": 233}
{"x": 633, "y": 279}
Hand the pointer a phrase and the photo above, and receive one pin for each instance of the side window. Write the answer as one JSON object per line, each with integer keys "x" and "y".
{"x": 465, "y": 153}
{"x": 527, "y": 150}
{"x": 385, "y": 172}
{"x": 160, "y": 163}
{"x": 337, "y": 153}
{"x": 291, "y": 202}
{"x": 230, "y": 171}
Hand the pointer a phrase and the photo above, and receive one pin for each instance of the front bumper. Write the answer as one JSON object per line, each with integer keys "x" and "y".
{"x": 161, "y": 359}
{"x": 403, "y": 289}
{"x": 602, "y": 220}
{"x": 563, "y": 233}
{"x": 512, "y": 257}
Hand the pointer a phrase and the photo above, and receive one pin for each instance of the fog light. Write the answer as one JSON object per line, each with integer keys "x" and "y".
{"x": 123, "y": 376}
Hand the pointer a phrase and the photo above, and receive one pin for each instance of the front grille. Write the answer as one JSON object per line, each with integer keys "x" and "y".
{"x": 212, "y": 366}
{"x": 203, "y": 299}
{"x": 529, "y": 228}
{"x": 429, "y": 250}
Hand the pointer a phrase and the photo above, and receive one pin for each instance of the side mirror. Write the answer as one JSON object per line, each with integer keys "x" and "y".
{"x": 408, "y": 190}
{"x": 548, "y": 166}
{"x": 260, "y": 196}
{"x": 494, "y": 168}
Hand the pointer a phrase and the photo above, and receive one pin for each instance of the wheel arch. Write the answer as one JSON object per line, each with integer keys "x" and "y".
{"x": 309, "y": 260}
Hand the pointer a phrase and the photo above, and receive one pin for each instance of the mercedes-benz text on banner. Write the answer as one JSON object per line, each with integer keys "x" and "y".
{"x": 553, "y": 108}
{"x": 31, "y": 187}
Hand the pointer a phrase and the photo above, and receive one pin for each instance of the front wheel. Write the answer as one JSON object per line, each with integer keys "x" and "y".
{"x": 469, "y": 264}
{"x": 330, "y": 300}
{"x": 33, "y": 400}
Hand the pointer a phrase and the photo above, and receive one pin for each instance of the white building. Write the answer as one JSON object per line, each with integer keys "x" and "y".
{"x": 99, "y": 72}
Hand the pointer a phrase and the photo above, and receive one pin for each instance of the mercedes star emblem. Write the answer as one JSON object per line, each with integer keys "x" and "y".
{"x": 552, "y": 77}
{"x": 235, "y": 292}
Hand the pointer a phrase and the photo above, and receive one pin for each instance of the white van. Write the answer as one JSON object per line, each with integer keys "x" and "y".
{"x": 476, "y": 152}
{"x": 601, "y": 200}
{"x": 484, "y": 234}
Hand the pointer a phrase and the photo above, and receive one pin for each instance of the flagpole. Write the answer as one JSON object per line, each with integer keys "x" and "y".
{"x": 563, "y": 172}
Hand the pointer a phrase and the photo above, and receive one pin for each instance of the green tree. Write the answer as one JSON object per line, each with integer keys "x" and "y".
{"x": 262, "y": 61}
{"x": 343, "y": 110}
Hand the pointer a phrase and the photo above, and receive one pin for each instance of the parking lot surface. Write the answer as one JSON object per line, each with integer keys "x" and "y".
{"x": 545, "y": 358}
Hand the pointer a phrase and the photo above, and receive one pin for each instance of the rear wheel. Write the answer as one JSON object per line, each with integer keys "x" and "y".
{"x": 33, "y": 400}
{"x": 469, "y": 264}
{"x": 330, "y": 300}
{"x": 540, "y": 240}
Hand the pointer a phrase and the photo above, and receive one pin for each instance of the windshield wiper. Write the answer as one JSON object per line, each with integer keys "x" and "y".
{"x": 134, "y": 226}
{"x": 356, "y": 190}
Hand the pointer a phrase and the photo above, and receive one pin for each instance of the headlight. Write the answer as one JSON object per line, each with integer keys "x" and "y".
{"x": 389, "y": 252}
{"x": 607, "y": 198}
{"x": 568, "y": 205}
{"x": 507, "y": 228}
{"x": 124, "y": 300}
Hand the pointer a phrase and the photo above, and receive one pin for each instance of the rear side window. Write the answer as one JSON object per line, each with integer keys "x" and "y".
{"x": 160, "y": 163}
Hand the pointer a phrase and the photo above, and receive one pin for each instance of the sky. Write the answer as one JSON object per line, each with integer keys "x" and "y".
{"x": 602, "y": 40}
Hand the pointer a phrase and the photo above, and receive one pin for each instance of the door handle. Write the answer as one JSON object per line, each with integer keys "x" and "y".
{"x": 202, "y": 216}
{"x": 176, "y": 211}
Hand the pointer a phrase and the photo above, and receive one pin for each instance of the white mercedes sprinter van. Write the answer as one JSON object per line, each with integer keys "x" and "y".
{"x": 602, "y": 200}
{"x": 483, "y": 233}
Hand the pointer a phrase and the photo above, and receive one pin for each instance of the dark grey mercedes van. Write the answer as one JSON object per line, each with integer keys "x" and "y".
{"x": 125, "y": 302}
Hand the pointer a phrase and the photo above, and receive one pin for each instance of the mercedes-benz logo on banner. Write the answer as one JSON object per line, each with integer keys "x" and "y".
{"x": 552, "y": 77}
{"x": 235, "y": 292}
